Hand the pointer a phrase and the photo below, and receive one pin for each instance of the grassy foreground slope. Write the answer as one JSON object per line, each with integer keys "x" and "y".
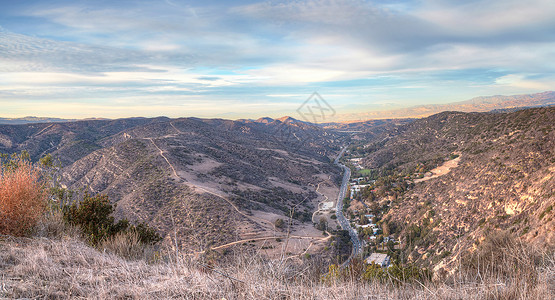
{"x": 67, "y": 268}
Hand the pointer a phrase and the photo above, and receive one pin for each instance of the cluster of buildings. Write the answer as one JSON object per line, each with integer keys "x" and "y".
{"x": 356, "y": 188}
{"x": 377, "y": 258}
{"x": 380, "y": 259}
{"x": 356, "y": 163}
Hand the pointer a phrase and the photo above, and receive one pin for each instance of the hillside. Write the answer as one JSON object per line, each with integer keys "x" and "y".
{"x": 468, "y": 195}
{"x": 503, "y": 181}
{"x": 217, "y": 184}
{"x": 207, "y": 182}
{"x": 68, "y": 141}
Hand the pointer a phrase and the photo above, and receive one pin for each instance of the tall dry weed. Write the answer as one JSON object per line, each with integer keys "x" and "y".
{"x": 506, "y": 268}
{"x": 69, "y": 268}
{"x": 127, "y": 244}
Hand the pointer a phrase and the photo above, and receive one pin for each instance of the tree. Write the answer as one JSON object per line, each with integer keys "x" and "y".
{"x": 374, "y": 206}
{"x": 51, "y": 170}
{"x": 363, "y": 220}
{"x": 279, "y": 223}
{"x": 385, "y": 228}
{"x": 323, "y": 224}
{"x": 94, "y": 216}
{"x": 390, "y": 245}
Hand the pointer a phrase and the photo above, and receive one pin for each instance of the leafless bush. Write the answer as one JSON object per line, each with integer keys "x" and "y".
{"x": 52, "y": 226}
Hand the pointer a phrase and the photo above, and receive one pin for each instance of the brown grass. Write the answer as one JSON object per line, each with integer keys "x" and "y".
{"x": 53, "y": 226}
{"x": 507, "y": 268}
{"x": 127, "y": 244}
{"x": 68, "y": 268}
{"x": 23, "y": 199}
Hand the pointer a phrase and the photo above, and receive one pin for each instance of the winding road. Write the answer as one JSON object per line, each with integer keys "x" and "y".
{"x": 357, "y": 245}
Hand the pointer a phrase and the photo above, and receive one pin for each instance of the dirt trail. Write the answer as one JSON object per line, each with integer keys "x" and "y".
{"x": 269, "y": 224}
{"x": 45, "y": 128}
{"x": 163, "y": 156}
{"x": 269, "y": 238}
{"x": 161, "y": 152}
{"x": 234, "y": 206}
{"x": 178, "y": 131}
{"x": 318, "y": 209}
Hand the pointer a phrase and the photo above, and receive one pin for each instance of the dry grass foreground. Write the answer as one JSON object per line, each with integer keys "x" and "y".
{"x": 65, "y": 267}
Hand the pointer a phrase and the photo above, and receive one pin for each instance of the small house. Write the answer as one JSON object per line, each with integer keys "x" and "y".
{"x": 381, "y": 259}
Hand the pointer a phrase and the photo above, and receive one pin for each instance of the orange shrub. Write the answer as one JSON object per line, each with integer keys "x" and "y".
{"x": 23, "y": 197}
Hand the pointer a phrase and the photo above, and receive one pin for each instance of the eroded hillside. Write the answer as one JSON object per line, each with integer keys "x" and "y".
{"x": 503, "y": 181}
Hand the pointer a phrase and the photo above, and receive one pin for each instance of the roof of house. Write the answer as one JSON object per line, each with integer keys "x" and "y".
{"x": 378, "y": 258}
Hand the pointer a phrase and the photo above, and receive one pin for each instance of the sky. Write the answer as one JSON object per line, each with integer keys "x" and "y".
{"x": 247, "y": 59}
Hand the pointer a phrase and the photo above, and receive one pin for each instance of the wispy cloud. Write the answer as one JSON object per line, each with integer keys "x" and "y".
{"x": 368, "y": 52}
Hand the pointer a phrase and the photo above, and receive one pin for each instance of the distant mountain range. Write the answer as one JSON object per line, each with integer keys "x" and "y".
{"x": 496, "y": 103}
{"x": 32, "y": 119}
{"x": 478, "y": 104}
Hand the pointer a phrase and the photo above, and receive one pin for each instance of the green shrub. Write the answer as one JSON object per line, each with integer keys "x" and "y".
{"x": 546, "y": 211}
{"x": 94, "y": 216}
{"x": 453, "y": 156}
{"x": 397, "y": 274}
{"x": 444, "y": 254}
{"x": 279, "y": 223}
{"x": 146, "y": 234}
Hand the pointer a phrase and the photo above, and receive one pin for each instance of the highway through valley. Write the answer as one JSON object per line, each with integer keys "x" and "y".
{"x": 357, "y": 245}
